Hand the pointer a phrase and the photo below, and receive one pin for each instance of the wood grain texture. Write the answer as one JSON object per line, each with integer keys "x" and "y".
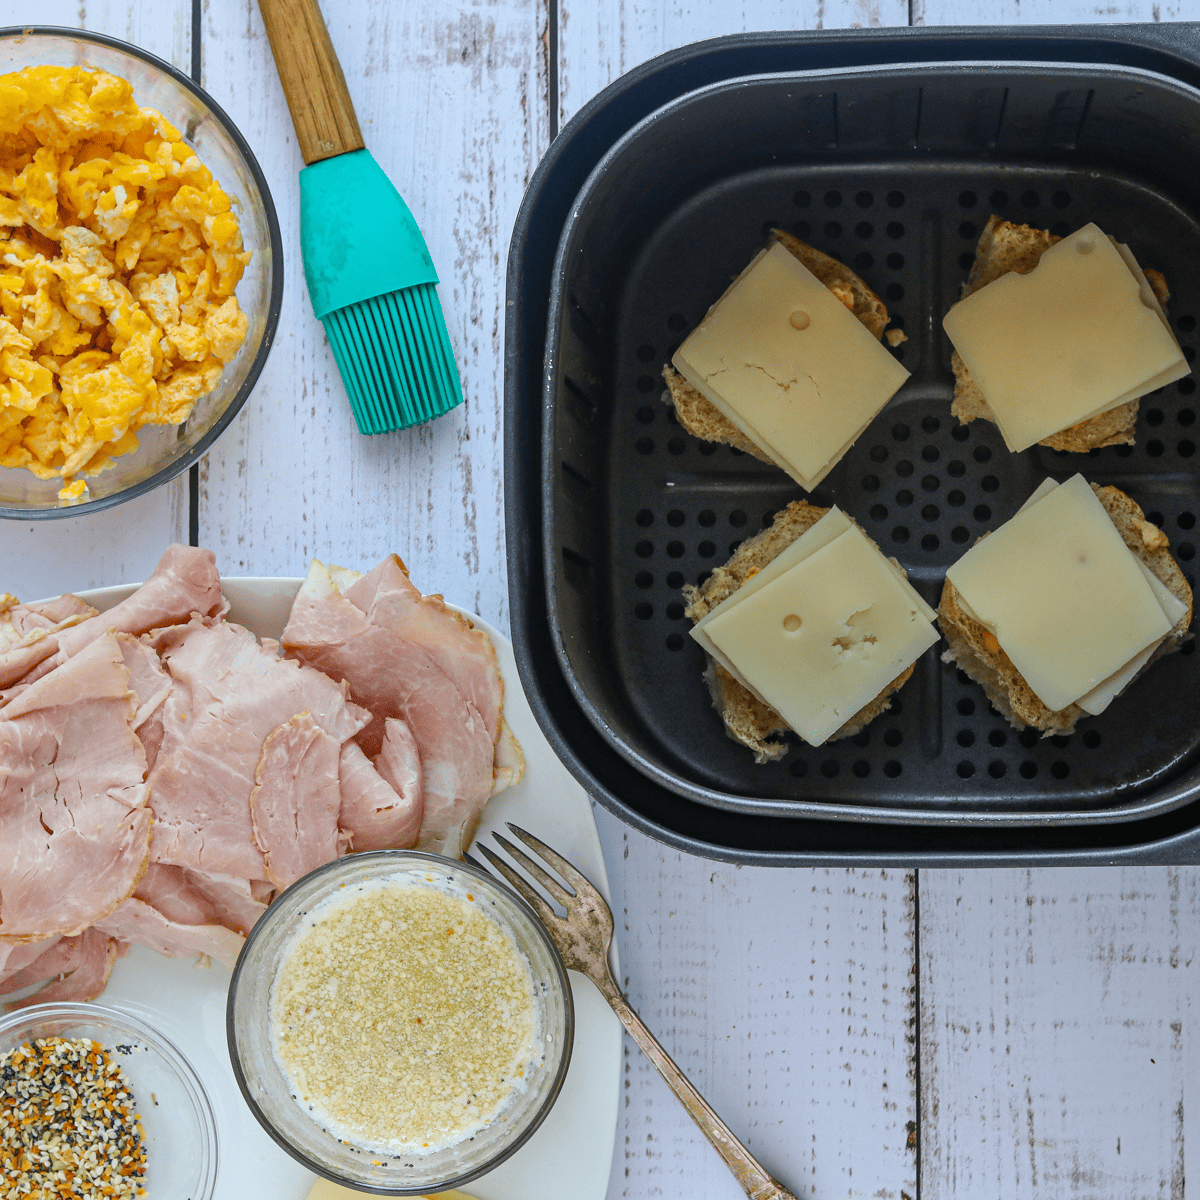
{"x": 602, "y": 39}
{"x": 1049, "y": 12}
{"x": 44, "y": 558}
{"x": 1057, "y": 1035}
{"x": 452, "y": 100}
{"x": 312, "y": 79}
{"x": 787, "y": 997}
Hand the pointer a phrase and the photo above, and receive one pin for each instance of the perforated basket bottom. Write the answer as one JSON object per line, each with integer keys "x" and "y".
{"x": 922, "y": 485}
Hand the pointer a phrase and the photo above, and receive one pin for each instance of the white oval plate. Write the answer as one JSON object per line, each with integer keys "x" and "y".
{"x": 571, "y": 1154}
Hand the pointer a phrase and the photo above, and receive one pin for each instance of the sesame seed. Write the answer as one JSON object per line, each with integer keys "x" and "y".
{"x": 68, "y": 1125}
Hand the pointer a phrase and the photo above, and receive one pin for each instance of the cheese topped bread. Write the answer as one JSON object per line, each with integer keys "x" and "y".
{"x": 808, "y": 627}
{"x": 1056, "y": 339}
{"x": 1059, "y": 609}
{"x": 787, "y": 364}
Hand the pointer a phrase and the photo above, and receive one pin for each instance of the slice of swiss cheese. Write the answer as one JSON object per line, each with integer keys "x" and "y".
{"x": 790, "y": 366}
{"x": 832, "y": 525}
{"x": 1078, "y": 335}
{"x": 1101, "y": 696}
{"x": 1070, "y": 604}
{"x": 825, "y": 633}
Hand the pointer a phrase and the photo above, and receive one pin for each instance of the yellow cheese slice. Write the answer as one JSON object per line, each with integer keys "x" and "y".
{"x": 790, "y": 366}
{"x": 1078, "y": 335}
{"x": 821, "y": 640}
{"x": 1173, "y": 608}
{"x": 832, "y": 525}
{"x": 1099, "y": 698}
{"x": 1065, "y": 597}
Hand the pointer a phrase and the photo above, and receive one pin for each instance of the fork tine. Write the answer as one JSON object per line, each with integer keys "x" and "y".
{"x": 580, "y": 882}
{"x": 536, "y": 869}
{"x": 536, "y": 902}
{"x": 473, "y": 861}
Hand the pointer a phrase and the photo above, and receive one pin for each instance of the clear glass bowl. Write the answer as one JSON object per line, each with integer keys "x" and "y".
{"x": 181, "y": 1134}
{"x": 269, "y": 1092}
{"x": 165, "y": 450}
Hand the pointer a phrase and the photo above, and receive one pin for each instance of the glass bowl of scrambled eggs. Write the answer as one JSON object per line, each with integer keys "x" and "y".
{"x": 140, "y": 272}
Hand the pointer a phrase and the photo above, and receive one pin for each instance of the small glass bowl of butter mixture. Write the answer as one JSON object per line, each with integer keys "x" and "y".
{"x": 401, "y": 1021}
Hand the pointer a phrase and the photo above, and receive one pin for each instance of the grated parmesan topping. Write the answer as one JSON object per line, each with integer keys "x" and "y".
{"x": 404, "y": 1016}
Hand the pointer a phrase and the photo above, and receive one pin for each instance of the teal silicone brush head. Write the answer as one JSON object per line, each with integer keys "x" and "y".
{"x": 394, "y": 356}
{"x": 373, "y": 287}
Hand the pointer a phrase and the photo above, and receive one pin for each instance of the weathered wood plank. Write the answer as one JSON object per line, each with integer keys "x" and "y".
{"x": 452, "y": 101}
{"x": 599, "y": 41}
{"x": 47, "y": 557}
{"x": 1048, "y": 12}
{"x": 787, "y": 997}
{"x": 1056, "y": 1032}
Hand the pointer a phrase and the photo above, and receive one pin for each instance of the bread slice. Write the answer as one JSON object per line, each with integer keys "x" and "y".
{"x": 977, "y": 652}
{"x": 747, "y": 719}
{"x": 1005, "y": 247}
{"x": 701, "y": 418}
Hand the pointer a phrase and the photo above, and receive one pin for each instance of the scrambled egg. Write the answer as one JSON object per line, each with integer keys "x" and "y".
{"x": 119, "y": 256}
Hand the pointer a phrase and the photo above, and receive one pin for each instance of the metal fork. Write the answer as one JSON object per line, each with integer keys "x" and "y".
{"x": 583, "y": 938}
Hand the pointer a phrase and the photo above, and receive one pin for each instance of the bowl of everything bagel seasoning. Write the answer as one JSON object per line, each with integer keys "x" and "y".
{"x": 94, "y": 1103}
{"x": 399, "y": 1022}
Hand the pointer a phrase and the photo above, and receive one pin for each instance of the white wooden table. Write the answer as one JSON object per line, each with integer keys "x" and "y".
{"x": 990, "y": 1035}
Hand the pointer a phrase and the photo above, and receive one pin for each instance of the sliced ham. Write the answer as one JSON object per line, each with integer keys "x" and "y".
{"x": 197, "y": 898}
{"x": 137, "y": 921}
{"x": 510, "y": 760}
{"x": 395, "y": 677}
{"x": 151, "y": 685}
{"x": 227, "y": 696}
{"x": 148, "y": 681}
{"x": 464, "y": 653}
{"x": 296, "y": 799}
{"x": 73, "y": 817}
{"x": 382, "y": 802}
{"x": 184, "y": 582}
{"x": 16, "y": 956}
{"x": 18, "y": 622}
{"x": 74, "y": 968}
{"x": 28, "y": 635}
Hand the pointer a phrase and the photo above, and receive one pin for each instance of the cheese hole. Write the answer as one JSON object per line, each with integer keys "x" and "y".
{"x": 791, "y": 622}
{"x": 800, "y": 319}
{"x": 1085, "y": 246}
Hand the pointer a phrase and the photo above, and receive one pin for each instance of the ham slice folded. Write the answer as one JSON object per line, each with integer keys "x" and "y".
{"x": 27, "y": 634}
{"x": 20, "y": 623}
{"x": 382, "y": 802}
{"x": 184, "y": 582}
{"x": 362, "y": 641}
{"x": 296, "y": 800}
{"x": 137, "y": 921}
{"x": 74, "y": 968}
{"x": 16, "y": 956}
{"x": 228, "y": 695}
{"x": 73, "y": 818}
{"x": 197, "y": 898}
{"x": 464, "y": 653}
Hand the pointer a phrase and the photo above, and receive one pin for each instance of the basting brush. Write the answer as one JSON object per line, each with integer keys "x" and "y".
{"x": 370, "y": 277}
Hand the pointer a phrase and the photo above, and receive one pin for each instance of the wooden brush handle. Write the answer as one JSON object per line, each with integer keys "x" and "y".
{"x": 312, "y": 78}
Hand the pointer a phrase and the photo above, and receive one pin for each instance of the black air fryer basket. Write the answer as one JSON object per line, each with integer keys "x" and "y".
{"x": 888, "y": 150}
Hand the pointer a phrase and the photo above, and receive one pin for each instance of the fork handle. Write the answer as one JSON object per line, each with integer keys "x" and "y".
{"x": 747, "y": 1170}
